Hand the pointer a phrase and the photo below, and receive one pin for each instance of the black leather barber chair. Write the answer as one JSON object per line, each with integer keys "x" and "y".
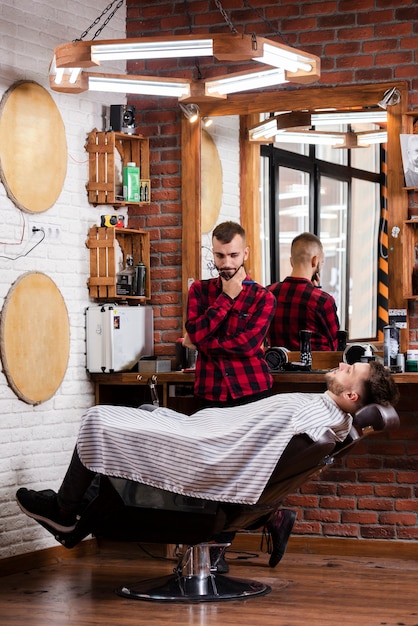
{"x": 128, "y": 511}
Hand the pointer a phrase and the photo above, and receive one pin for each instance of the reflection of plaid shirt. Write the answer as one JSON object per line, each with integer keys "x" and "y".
{"x": 228, "y": 335}
{"x": 301, "y": 306}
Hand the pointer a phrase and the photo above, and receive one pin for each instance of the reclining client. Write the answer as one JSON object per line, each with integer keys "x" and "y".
{"x": 219, "y": 454}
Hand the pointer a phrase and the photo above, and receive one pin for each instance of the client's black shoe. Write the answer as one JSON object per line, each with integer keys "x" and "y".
{"x": 280, "y": 526}
{"x": 217, "y": 560}
{"x": 43, "y": 507}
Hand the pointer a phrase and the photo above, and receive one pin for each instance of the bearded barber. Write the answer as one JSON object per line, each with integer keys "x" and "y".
{"x": 227, "y": 321}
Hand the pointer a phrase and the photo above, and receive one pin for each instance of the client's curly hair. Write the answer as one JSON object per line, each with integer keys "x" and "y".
{"x": 380, "y": 388}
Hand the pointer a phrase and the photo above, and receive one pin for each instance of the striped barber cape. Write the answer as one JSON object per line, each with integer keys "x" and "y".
{"x": 222, "y": 454}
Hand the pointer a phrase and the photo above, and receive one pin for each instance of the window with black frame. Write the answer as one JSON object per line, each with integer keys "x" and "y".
{"x": 336, "y": 194}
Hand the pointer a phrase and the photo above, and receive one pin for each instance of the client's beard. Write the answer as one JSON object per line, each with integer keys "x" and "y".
{"x": 333, "y": 385}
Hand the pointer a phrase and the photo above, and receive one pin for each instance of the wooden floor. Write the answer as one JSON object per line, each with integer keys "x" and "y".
{"x": 319, "y": 590}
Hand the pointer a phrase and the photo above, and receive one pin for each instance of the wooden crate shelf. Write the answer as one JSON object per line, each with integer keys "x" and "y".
{"x": 102, "y": 243}
{"x": 109, "y": 153}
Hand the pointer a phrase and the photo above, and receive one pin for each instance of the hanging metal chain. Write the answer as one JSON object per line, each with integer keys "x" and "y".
{"x": 261, "y": 16}
{"x": 226, "y": 17}
{"x": 99, "y": 17}
{"x": 189, "y": 18}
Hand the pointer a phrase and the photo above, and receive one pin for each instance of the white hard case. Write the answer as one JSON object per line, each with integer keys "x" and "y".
{"x": 118, "y": 336}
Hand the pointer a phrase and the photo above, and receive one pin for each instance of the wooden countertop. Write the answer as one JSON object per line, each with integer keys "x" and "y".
{"x": 132, "y": 378}
{"x": 321, "y": 362}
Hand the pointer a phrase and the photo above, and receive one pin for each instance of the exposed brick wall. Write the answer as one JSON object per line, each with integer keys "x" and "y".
{"x": 358, "y": 42}
{"x": 372, "y": 493}
{"x": 369, "y": 494}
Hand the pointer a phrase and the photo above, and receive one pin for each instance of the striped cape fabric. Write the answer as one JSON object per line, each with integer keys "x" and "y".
{"x": 221, "y": 454}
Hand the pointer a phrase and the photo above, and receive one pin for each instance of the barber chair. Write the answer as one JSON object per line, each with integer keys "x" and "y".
{"x": 129, "y": 511}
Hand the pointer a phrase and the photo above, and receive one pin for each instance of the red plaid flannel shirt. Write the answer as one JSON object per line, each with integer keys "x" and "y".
{"x": 229, "y": 335}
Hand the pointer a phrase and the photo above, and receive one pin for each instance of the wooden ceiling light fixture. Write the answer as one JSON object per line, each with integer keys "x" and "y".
{"x": 73, "y": 64}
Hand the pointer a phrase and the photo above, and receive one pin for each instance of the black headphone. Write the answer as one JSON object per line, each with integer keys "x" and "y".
{"x": 276, "y": 358}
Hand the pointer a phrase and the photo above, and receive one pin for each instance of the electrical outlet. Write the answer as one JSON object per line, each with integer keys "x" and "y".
{"x": 52, "y": 231}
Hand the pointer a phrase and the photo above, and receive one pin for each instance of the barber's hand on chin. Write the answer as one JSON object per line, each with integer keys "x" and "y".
{"x": 233, "y": 286}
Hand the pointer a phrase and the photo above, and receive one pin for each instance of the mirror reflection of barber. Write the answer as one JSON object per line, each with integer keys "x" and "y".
{"x": 316, "y": 276}
{"x": 300, "y": 303}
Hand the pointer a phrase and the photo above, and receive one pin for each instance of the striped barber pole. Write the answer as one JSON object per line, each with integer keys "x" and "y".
{"x": 383, "y": 277}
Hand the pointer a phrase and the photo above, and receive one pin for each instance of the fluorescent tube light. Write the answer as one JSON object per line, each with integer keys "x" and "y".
{"x": 138, "y": 86}
{"x": 312, "y": 137}
{"x": 245, "y": 82}
{"x": 152, "y": 50}
{"x": 286, "y": 59}
{"x": 267, "y": 129}
{"x": 349, "y": 117}
{"x": 59, "y": 73}
{"x": 74, "y": 74}
{"x": 365, "y": 139}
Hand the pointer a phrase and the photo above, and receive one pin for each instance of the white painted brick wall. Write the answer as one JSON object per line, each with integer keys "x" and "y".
{"x": 36, "y": 443}
{"x": 225, "y": 133}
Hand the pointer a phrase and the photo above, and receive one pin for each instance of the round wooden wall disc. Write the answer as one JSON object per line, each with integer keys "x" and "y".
{"x": 34, "y": 337}
{"x": 211, "y": 183}
{"x": 33, "y": 147}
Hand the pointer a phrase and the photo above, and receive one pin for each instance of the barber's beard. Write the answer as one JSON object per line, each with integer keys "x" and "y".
{"x": 228, "y": 273}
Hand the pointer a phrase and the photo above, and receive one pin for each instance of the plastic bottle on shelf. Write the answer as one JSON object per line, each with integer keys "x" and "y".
{"x": 390, "y": 344}
{"x": 140, "y": 272}
{"x": 368, "y": 355}
{"x": 131, "y": 182}
{"x": 305, "y": 347}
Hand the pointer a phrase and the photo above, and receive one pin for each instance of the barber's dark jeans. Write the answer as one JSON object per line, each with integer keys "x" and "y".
{"x": 206, "y": 404}
{"x": 76, "y": 482}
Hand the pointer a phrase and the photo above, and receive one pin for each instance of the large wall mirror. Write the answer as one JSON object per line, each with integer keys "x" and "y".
{"x": 237, "y": 115}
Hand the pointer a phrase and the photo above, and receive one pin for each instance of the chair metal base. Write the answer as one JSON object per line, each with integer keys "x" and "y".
{"x": 194, "y": 581}
{"x": 214, "y": 588}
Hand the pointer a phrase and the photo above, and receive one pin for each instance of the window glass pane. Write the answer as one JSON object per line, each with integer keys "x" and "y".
{"x": 364, "y": 259}
{"x": 332, "y": 155}
{"x": 367, "y": 159}
{"x": 345, "y": 213}
{"x": 339, "y": 156}
{"x": 333, "y": 234}
{"x": 297, "y": 148}
{"x": 266, "y": 277}
{"x": 293, "y": 212}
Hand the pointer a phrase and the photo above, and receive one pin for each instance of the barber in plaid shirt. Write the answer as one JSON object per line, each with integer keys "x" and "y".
{"x": 301, "y": 303}
{"x": 227, "y": 320}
